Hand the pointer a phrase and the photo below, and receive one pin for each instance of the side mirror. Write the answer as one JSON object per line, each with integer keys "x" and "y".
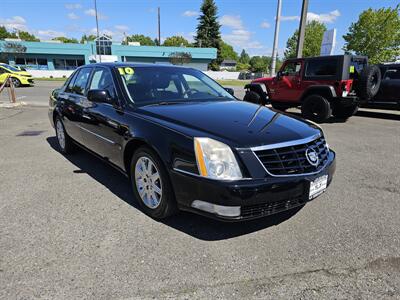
{"x": 99, "y": 96}
{"x": 230, "y": 91}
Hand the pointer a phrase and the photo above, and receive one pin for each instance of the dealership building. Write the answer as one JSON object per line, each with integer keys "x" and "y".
{"x": 53, "y": 56}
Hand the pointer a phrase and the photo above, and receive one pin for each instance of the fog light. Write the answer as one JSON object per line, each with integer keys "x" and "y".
{"x": 226, "y": 211}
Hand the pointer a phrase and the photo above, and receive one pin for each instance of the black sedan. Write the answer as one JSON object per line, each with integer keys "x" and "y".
{"x": 187, "y": 143}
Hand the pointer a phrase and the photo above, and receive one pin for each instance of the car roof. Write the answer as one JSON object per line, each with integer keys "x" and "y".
{"x": 134, "y": 65}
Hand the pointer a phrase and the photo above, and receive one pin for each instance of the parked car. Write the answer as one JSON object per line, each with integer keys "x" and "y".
{"x": 188, "y": 144}
{"x": 389, "y": 90}
{"x": 18, "y": 77}
{"x": 321, "y": 86}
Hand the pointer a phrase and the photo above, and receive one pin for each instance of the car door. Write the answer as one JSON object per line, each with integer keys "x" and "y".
{"x": 288, "y": 85}
{"x": 69, "y": 107}
{"x": 103, "y": 122}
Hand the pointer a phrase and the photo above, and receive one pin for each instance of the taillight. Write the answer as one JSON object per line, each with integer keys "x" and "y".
{"x": 346, "y": 87}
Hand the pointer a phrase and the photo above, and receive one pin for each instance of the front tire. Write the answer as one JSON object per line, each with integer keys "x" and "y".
{"x": 65, "y": 143}
{"x": 316, "y": 108}
{"x": 151, "y": 184}
{"x": 16, "y": 82}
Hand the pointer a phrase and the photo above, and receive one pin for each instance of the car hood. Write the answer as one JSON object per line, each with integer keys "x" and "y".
{"x": 237, "y": 123}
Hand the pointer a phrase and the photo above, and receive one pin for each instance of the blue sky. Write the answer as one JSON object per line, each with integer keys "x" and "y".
{"x": 245, "y": 24}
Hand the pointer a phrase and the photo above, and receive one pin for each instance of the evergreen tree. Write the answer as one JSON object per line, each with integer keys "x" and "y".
{"x": 244, "y": 57}
{"x": 208, "y": 33}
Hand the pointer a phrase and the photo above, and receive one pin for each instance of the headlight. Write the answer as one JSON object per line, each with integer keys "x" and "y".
{"x": 216, "y": 160}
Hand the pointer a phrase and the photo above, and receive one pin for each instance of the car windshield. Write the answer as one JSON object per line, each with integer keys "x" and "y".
{"x": 10, "y": 68}
{"x": 167, "y": 85}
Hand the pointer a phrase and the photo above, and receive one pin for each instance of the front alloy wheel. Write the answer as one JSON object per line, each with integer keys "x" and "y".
{"x": 148, "y": 182}
{"x": 151, "y": 184}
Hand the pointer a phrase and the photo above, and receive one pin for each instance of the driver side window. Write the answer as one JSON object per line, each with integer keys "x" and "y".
{"x": 195, "y": 85}
{"x": 292, "y": 69}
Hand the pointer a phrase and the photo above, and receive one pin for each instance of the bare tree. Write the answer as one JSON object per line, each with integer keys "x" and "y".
{"x": 180, "y": 58}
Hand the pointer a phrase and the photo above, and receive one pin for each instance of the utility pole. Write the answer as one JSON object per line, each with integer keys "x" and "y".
{"x": 159, "y": 28}
{"x": 302, "y": 29}
{"x": 276, "y": 37}
{"x": 97, "y": 28}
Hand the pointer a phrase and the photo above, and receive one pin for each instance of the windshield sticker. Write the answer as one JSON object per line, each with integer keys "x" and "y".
{"x": 351, "y": 69}
{"x": 128, "y": 71}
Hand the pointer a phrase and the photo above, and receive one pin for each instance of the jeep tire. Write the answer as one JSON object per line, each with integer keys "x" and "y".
{"x": 316, "y": 108}
{"x": 252, "y": 97}
{"x": 369, "y": 82}
{"x": 279, "y": 106}
{"x": 344, "y": 112}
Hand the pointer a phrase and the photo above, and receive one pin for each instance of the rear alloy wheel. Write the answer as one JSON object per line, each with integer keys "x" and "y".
{"x": 16, "y": 82}
{"x": 151, "y": 184}
{"x": 316, "y": 108}
{"x": 64, "y": 141}
{"x": 344, "y": 112}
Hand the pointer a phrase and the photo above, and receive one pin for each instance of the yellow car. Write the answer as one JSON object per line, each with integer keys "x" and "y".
{"x": 18, "y": 77}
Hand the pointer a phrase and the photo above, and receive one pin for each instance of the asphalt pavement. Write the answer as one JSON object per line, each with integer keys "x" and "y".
{"x": 70, "y": 227}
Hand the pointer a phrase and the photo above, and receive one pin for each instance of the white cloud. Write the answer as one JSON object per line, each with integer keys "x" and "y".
{"x": 72, "y": 16}
{"x": 50, "y": 33}
{"x": 121, "y": 27}
{"x": 234, "y": 22}
{"x": 91, "y": 12}
{"x": 73, "y": 6}
{"x": 190, "y": 13}
{"x": 324, "y": 18}
{"x": 265, "y": 24}
{"x": 290, "y": 18}
{"x": 14, "y": 23}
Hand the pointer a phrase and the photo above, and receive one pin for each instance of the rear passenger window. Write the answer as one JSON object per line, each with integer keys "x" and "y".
{"x": 79, "y": 85}
{"x": 102, "y": 79}
{"x": 325, "y": 67}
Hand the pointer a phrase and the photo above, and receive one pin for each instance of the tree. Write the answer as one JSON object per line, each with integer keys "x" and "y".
{"x": 260, "y": 63}
{"x": 13, "y": 48}
{"x": 227, "y": 52}
{"x": 26, "y": 36}
{"x": 142, "y": 39}
{"x": 4, "y": 34}
{"x": 87, "y": 38}
{"x": 242, "y": 66}
{"x": 376, "y": 34}
{"x": 312, "y": 40}
{"x": 244, "y": 57}
{"x": 66, "y": 40}
{"x": 180, "y": 58}
{"x": 208, "y": 31}
{"x": 176, "y": 41}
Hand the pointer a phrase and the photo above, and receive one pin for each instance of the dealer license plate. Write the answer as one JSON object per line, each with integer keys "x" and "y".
{"x": 318, "y": 186}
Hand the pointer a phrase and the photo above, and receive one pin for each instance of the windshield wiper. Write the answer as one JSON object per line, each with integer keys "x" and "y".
{"x": 166, "y": 103}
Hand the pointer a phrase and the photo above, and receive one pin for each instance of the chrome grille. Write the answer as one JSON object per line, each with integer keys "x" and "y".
{"x": 292, "y": 160}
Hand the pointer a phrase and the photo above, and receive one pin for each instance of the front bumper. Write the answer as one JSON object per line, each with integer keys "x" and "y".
{"x": 255, "y": 197}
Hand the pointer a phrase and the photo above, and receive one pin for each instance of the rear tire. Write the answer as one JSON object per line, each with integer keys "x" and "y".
{"x": 151, "y": 184}
{"x": 344, "y": 112}
{"x": 316, "y": 108}
{"x": 369, "y": 82}
{"x": 65, "y": 143}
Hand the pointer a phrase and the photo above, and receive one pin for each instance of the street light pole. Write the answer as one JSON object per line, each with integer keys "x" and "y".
{"x": 302, "y": 29}
{"x": 159, "y": 28}
{"x": 97, "y": 27}
{"x": 276, "y": 37}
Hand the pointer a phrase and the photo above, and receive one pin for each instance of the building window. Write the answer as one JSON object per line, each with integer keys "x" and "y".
{"x": 103, "y": 45}
{"x": 70, "y": 64}
{"x": 59, "y": 64}
{"x": 20, "y": 61}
